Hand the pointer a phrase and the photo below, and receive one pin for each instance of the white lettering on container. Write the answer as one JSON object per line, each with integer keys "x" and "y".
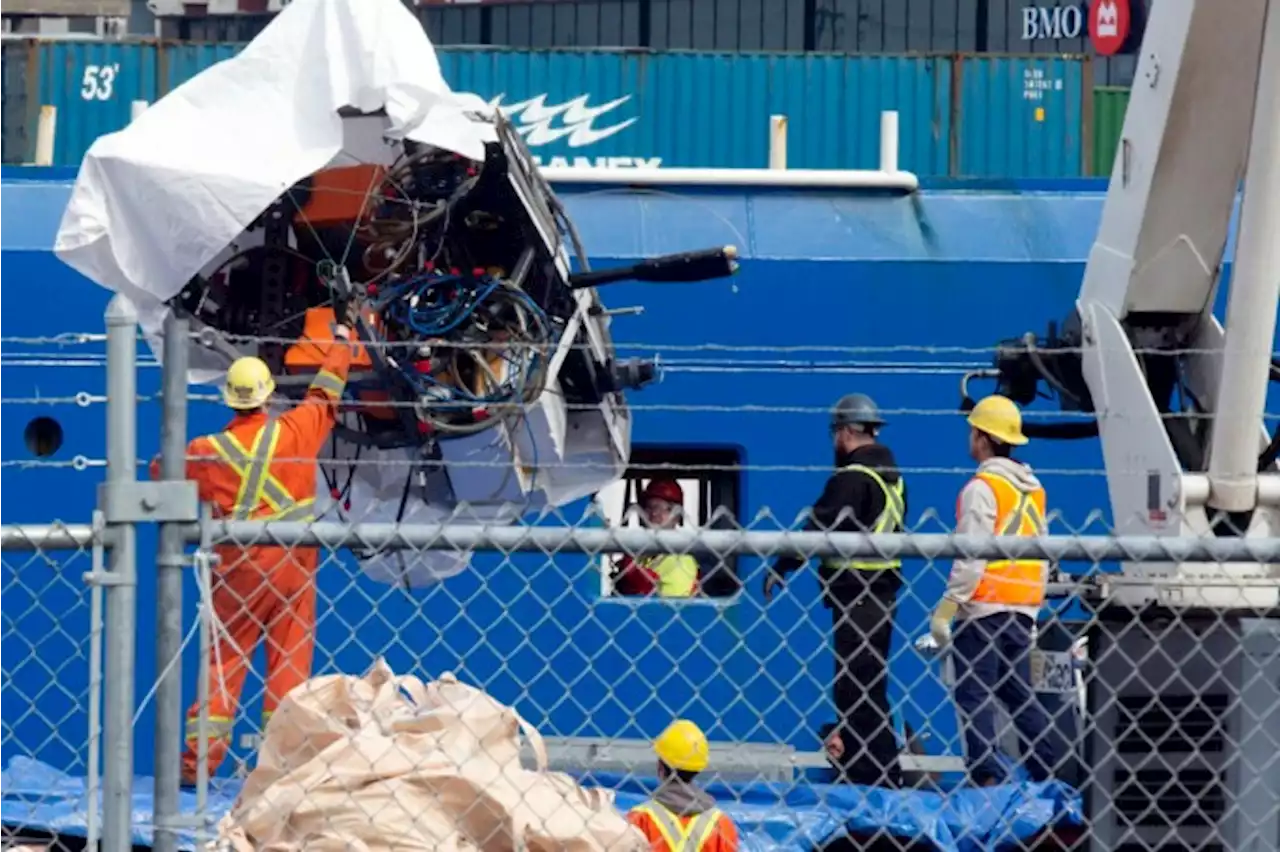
{"x": 1056, "y": 22}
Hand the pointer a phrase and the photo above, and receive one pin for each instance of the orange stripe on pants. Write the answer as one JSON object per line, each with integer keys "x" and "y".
{"x": 267, "y": 590}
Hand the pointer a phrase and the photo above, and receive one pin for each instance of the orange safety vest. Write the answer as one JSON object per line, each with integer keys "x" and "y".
{"x": 692, "y": 834}
{"x": 261, "y": 494}
{"x": 264, "y": 467}
{"x": 1013, "y": 582}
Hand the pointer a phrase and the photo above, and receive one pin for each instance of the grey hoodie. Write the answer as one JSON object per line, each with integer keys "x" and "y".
{"x": 976, "y": 515}
{"x": 682, "y": 799}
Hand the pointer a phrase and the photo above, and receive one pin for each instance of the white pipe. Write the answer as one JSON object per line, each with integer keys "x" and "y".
{"x": 795, "y": 178}
{"x": 889, "y": 141}
{"x": 777, "y": 141}
{"x": 136, "y": 109}
{"x": 45, "y": 131}
{"x": 1196, "y": 490}
{"x": 1253, "y": 297}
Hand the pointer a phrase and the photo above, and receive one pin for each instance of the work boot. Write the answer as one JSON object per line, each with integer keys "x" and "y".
{"x": 218, "y": 748}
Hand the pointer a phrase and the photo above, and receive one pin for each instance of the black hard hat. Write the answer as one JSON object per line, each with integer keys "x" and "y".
{"x": 856, "y": 409}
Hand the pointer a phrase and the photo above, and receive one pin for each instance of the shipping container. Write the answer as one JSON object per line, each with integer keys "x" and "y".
{"x": 19, "y": 110}
{"x": 976, "y": 116}
{"x": 696, "y": 109}
{"x": 1024, "y": 117}
{"x": 181, "y": 61}
{"x": 712, "y": 110}
{"x": 828, "y": 26}
{"x": 688, "y": 109}
{"x": 93, "y": 86}
{"x": 1109, "y": 105}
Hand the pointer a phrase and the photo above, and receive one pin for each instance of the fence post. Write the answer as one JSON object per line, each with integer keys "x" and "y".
{"x": 122, "y": 586}
{"x": 170, "y": 564}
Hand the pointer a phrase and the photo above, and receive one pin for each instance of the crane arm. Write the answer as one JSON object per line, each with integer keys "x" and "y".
{"x": 1179, "y": 398}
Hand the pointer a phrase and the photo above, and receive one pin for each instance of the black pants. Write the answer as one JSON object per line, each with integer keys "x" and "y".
{"x": 863, "y": 622}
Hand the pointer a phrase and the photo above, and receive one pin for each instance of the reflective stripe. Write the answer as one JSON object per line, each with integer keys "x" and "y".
{"x": 689, "y": 838}
{"x": 891, "y": 520}
{"x": 241, "y": 460}
{"x": 300, "y": 511}
{"x": 216, "y": 727}
{"x": 264, "y": 448}
{"x": 329, "y": 384}
{"x": 1025, "y": 510}
{"x": 257, "y": 483}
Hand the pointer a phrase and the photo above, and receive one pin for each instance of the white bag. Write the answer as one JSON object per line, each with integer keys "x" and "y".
{"x": 382, "y": 762}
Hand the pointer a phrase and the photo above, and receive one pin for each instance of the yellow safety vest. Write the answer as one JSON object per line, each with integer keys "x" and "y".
{"x": 890, "y": 521}
{"x": 681, "y": 838}
{"x": 677, "y": 574}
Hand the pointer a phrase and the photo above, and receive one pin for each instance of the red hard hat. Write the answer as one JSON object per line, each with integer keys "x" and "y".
{"x": 663, "y": 489}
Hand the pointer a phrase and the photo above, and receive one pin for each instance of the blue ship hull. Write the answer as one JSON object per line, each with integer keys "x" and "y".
{"x": 829, "y": 285}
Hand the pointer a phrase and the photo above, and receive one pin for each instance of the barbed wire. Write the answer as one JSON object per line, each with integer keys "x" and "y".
{"x": 85, "y": 399}
{"x": 80, "y": 338}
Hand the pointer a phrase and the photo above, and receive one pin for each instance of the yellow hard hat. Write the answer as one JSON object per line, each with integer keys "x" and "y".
{"x": 249, "y": 384}
{"x": 998, "y": 417}
{"x": 683, "y": 746}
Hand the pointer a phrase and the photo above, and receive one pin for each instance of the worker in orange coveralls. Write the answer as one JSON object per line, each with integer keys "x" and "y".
{"x": 681, "y": 817}
{"x": 262, "y": 467}
{"x": 669, "y": 575}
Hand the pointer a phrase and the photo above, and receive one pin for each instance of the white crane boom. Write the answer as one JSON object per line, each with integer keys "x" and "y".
{"x": 1180, "y": 400}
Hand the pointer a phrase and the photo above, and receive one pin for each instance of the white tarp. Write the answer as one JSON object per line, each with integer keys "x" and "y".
{"x": 155, "y": 202}
{"x": 171, "y": 194}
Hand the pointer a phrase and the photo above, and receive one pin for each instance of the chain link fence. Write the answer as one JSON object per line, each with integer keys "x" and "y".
{"x": 450, "y": 649}
{"x": 52, "y": 652}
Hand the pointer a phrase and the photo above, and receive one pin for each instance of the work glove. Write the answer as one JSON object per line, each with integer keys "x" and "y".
{"x": 927, "y": 645}
{"x": 346, "y": 314}
{"x": 773, "y": 583}
{"x": 940, "y": 622}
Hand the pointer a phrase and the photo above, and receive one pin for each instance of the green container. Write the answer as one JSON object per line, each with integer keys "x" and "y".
{"x": 1109, "y": 104}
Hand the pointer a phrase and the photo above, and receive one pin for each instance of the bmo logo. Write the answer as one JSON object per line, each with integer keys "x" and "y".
{"x": 1052, "y": 22}
{"x": 1109, "y": 25}
{"x": 1107, "y": 22}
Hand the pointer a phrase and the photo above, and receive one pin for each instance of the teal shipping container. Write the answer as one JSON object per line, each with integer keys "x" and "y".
{"x": 1023, "y": 117}
{"x": 958, "y": 116}
{"x": 93, "y": 84}
{"x": 713, "y": 109}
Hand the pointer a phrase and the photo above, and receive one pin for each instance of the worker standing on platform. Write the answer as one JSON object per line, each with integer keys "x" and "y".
{"x": 262, "y": 467}
{"x": 865, "y": 494}
{"x": 668, "y": 575}
{"x": 997, "y": 602}
{"x": 680, "y": 817}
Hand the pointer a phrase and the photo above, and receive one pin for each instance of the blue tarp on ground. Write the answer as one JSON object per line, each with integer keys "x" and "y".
{"x": 769, "y": 816}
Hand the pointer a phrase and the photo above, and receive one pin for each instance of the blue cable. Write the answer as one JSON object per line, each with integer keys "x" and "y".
{"x": 437, "y": 315}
